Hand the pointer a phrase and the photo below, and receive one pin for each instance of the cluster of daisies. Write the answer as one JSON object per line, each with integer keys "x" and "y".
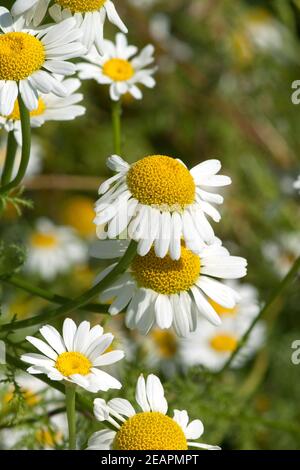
{"x": 181, "y": 282}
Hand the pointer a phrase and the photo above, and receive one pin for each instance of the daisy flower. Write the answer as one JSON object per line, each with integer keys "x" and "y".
{"x": 35, "y": 162}
{"x": 90, "y": 15}
{"x": 148, "y": 429}
{"x": 170, "y": 292}
{"x": 29, "y": 58}
{"x": 75, "y": 356}
{"x": 297, "y": 183}
{"x": 50, "y": 108}
{"x": 160, "y": 202}
{"x": 211, "y": 347}
{"x": 53, "y": 250}
{"x": 118, "y": 68}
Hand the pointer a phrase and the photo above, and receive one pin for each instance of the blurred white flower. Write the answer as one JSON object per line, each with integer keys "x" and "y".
{"x": 212, "y": 347}
{"x": 53, "y": 250}
{"x": 283, "y": 252}
{"x": 117, "y": 67}
{"x": 297, "y": 183}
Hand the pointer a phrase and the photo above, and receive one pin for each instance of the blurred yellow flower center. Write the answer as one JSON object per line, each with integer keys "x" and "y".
{"x": 81, "y": 6}
{"x": 15, "y": 114}
{"x": 69, "y": 363}
{"x": 222, "y": 310}
{"x": 161, "y": 181}
{"x": 165, "y": 342}
{"x": 44, "y": 240}
{"x": 224, "y": 343}
{"x": 79, "y": 213}
{"x": 150, "y": 431}
{"x": 118, "y": 70}
{"x": 164, "y": 275}
{"x": 47, "y": 438}
{"x": 20, "y": 56}
{"x": 29, "y": 396}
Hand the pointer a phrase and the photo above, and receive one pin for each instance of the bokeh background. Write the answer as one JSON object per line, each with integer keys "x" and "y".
{"x": 224, "y": 90}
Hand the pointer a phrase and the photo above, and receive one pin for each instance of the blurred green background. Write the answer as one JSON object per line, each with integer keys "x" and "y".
{"x": 223, "y": 91}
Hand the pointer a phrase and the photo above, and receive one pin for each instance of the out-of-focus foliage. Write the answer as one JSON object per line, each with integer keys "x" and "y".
{"x": 224, "y": 90}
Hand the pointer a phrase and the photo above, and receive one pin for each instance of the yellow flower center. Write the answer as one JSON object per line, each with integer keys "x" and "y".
{"x": 15, "y": 114}
{"x": 118, "y": 70}
{"x": 21, "y": 55}
{"x": 161, "y": 181}
{"x": 43, "y": 240}
{"x": 166, "y": 343}
{"x": 150, "y": 431}
{"x": 224, "y": 343}
{"x": 69, "y": 363}
{"x": 164, "y": 275}
{"x": 222, "y": 310}
{"x": 79, "y": 213}
{"x": 47, "y": 438}
{"x": 81, "y": 6}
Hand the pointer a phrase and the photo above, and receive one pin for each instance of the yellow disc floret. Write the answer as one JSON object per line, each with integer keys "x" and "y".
{"x": 224, "y": 343}
{"x": 69, "y": 363}
{"x": 164, "y": 275}
{"x": 223, "y": 310}
{"x": 15, "y": 114}
{"x": 161, "y": 181}
{"x": 165, "y": 342}
{"x": 81, "y": 6}
{"x": 118, "y": 70}
{"x": 43, "y": 240}
{"x": 21, "y": 55}
{"x": 150, "y": 431}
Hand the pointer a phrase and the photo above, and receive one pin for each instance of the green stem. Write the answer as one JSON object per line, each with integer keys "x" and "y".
{"x": 10, "y": 158}
{"x": 283, "y": 284}
{"x": 79, "y": 301}
{"x": 71, "y": 414}
{"x": 44, "y": 294}
{"x": 116, "y": 122}
{"x": 26, "y": 145}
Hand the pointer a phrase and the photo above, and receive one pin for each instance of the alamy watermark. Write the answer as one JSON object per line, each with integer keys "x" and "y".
{"x": 2, "y": 353}
{"x": 295, "y": 357}
{"x": 295, "y": 97}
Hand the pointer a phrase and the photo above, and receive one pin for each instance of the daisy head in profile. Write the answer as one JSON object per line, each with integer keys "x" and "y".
{"x": 160, "y": 202}
{"x": 29, "y": 59}
{"x": 120, "y": 67}
{"x": 50, "y": 108}
{"x": 171, "y": 293}
{"x": 53, "y": 250}
{"x": 150, "y": 428}
{"x": 75, "y": 356}
{"x": 90, "y": 16}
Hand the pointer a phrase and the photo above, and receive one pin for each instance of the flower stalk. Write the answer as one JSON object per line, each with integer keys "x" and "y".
{"x": 116, "y": 122}
{"x": 9, "y": 159}
{"x": 26, "y": 146}
{"x": 71, "y": 414}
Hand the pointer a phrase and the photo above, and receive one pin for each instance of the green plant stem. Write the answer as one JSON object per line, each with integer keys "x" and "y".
{"x": 11, "y": 150}
{"x": 45, "y": 294}
{"x": 26, "y": 145}
{"x": 71, "y": 414}
{"x": 283, "y": 284}
{"x": 79, "y": 301}
{"x": 116, "y": 122}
